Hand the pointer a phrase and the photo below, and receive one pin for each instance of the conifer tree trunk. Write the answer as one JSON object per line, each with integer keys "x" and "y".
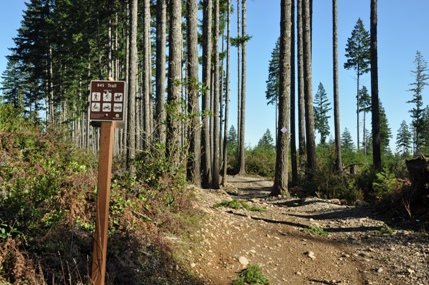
{"x": 206, "y": 73}
{"x": 338, "y": 161}
{"x": 283, "y": 136}
{"x": 132, "y": 89}
{"x": 376, "y": 145}
{"x": 194, "y": 131}
{"x": 241, "y": 134}
{"x": 225, "y": 129}
{"x": 301, "y": 99}
{"x": 147, "y": 102}
{"x": 161, "y": 18}
{"x": 174, "y": 79}
{"x": 216, "y": 94}
{"x": 308, "y": 92}
{"x": 292, "y": 99}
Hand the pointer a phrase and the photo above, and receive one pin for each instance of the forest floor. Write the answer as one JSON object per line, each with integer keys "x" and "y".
{"x": 303, "y": 241}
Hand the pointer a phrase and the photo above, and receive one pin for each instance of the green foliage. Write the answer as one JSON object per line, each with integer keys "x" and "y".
{"x": 238, "y": 204}
{"x": 385, "y": 184}
{"x": 403, "y": 139}
{"x": 417, "y": 112}
{"x": 315, "y": 230}
{"x": 272, "y": 92}
{"x": 321, "y": 108}
{"x": 358, "y": 49}
{"x": 347, "y": 141}
{"x": 251, "y": 276}
{"x": 385, "y": 230}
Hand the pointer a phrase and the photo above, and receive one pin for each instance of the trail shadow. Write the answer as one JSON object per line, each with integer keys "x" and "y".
{"x": 304, "y": 226}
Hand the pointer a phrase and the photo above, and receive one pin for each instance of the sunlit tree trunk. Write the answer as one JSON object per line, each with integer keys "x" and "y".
{"x": 206, "y": 73}
{"x": 241, "y": 133}
{"x": 283, "y": 135}
{"x": 338, "y": 161}
{"x": 225, "y": 134}
{"x": 194, "y": 131}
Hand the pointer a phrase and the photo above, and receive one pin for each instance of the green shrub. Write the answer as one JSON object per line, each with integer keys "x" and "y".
{"x": 252, "y": 276}
{"x": 238, "y": 204}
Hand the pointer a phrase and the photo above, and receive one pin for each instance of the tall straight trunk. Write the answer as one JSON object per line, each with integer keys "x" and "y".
{"x": 216, "y": 101}
{"x": 283, "y": 137}
{"x": 147, "y": 102}
{"x": 174, "y": 77}
{"x": 338, "y": 161}
{"x": 376, "y": 143}
{"x": 301, "y": 99}
{"x": 206, "y": 73}
{"x": 357, "y": 109}
{"x": 225, "y": 129}
{"x": 292, "y": 98}
{"x": 161, "y": 19}
{"x": 194, "y": 131}
{"x": 241, "y": 134}
{"x": 308, "y": 92}
{"x": 239, "y": 59}
{"x": 132, "y": 90}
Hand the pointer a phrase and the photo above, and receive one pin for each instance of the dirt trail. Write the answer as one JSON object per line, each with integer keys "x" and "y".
{"x": 352, "y": 252}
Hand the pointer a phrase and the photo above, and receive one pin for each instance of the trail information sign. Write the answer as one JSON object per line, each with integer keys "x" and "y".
{"x": 107, "y": 101}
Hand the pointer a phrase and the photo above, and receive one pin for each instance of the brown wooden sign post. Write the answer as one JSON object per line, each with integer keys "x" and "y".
{"x": 107, "y": 104}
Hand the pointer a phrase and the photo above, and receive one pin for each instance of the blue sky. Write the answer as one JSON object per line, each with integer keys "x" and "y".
{"x": 401, "y": 32}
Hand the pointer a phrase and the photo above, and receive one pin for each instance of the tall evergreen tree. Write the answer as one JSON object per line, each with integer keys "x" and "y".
{"x": 272, "y": 92}
{"x": 321, "y": 109}
{"x": 403, "y": 139}
{"x": 421, "y": 80}
{"x": 358, "y": 59}
{"x": 347, "y": 141}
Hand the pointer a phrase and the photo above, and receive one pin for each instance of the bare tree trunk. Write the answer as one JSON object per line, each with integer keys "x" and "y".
{"x": 147, "y": 102}
{"x": 132, "y": 90}
{"x": 292, "y": 99}
{"x": 174, "y": 79}
{"x": 241, "y": 134}
{"x": 207, "y": 50}
{"x": 282, "y": 149}
{"x": 239, "y": 59}
{"x": 216, "y": 93}
{"x": 225, "y": 133}
{"x": 161, "y": 18}
{"x": 301, "y": 99}
{"x": 308, "y": 90}
{"x": 376, "y": 144}
{"x": 194, "y": 131}
{"x": 338, "y": 160}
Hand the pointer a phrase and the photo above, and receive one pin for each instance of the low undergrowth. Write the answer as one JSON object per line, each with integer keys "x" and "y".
{"x": 47, "y": 215}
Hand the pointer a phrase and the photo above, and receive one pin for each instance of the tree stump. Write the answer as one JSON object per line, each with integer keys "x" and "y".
{"x": 418, "y": 168}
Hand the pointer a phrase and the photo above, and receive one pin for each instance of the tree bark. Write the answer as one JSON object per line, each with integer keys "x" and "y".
{"x": 194, "y": 131}
{"x": 338, "y": 160}
{"x": 376, "y": 144}
{"x": 132, "y": 90}
{"x": 283, "y": 137}
{"x": 174, "y": 82}
{"x": 308, "y": 90}
{"x": 301, "y": 99}
{"x": 241, "y": 156}
{"x": 216, "y": 101}
{"x": 225, "y": 135}
{"x": 161, "y": 18}
{"x": 206, "y": 73}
